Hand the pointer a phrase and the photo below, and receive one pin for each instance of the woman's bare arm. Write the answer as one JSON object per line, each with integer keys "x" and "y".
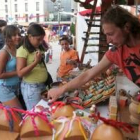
{"x": 81, "y": 79}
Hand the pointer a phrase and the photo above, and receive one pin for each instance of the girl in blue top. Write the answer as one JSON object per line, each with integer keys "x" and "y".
{"x": 8, "y": 76}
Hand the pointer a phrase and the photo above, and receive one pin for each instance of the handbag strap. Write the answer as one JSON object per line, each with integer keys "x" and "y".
{"x": 44, "y": 64}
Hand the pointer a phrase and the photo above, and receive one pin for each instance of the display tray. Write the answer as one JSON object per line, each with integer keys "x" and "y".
{"x": 123, "y": 116}
{"x": 104, "y": 98}
{"x": 96, "y": 92}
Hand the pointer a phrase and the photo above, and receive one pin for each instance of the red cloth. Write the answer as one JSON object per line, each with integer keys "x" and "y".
{"x": 88, "y": 12}
{"x": 128, "y": 59}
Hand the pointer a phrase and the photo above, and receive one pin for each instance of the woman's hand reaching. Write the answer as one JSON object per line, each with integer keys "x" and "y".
{"x": 54, "y": 94}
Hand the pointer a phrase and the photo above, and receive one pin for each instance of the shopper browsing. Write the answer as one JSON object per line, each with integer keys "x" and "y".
{"x": 68, "y": 57}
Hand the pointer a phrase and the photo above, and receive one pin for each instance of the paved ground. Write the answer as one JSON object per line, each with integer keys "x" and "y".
{"x": 52, "y": 67}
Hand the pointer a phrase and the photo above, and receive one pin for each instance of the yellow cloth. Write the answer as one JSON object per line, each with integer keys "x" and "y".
{"x": 39, "y": 73}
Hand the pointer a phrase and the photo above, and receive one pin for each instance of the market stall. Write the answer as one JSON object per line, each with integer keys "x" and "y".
{"x": 77, "y": 114}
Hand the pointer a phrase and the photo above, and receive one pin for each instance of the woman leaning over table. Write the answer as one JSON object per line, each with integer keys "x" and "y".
{"x": 8, "y": 76}
{"x": 30, "y": 66}
{"x": 122, "y": 29}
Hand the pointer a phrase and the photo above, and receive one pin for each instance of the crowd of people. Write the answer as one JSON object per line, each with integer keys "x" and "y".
{"x": 22, "y": 66}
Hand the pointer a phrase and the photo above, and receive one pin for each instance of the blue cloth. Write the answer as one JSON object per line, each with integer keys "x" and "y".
{"x": 60, "y": 32}
{"x": 10, "y": 66}
{"x": 32, "y": 93}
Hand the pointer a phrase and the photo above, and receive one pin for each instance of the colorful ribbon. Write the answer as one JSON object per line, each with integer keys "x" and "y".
{"x": 125, "y": 126}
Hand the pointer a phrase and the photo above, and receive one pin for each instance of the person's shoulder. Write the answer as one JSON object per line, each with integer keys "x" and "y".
{"x": 22, "y": 49}
{"x": 73, "y": 51}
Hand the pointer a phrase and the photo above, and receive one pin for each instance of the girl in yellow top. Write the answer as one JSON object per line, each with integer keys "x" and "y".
{"x": 68, "y": 57}
{"x": 30, "y": 66}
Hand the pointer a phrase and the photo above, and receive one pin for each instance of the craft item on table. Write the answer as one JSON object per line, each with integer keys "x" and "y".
{"x": 113, "y": 107}
{"x": 101, "y": 82}
{"x": 81, "y": 94}
{"x": 63, "y": 109}
{"x": 108, "y": 91}
{"x": 111, "y": 77}
{"x": 45, "y": 110}
{"x": 9, "y": 123}
{"x": 88, "y": 96}
{"x": 75, "y": 102}
{"x": 110, "y": 129}
{"x": 98, "y": 91}
{"x": 123, "y": 101}
{"x": 40, "y": 107}
{"x": 138, "y": 96}
{"x": 87, "y": 103}
{"x": 60, "y": 109}
{"x": 36, "y": 125}
{"x": 84, "y": 66}
{"x": 110, "y": 80}
{"x": 134, "y": 109}
{"x": 7, "y": 135}
{"x": 97, "y": 97}
{"x": 74, "y": 128}
{"x": 76, "y": 93}
{"x": 80, "y": 113}
{"x": 93, "y": 110}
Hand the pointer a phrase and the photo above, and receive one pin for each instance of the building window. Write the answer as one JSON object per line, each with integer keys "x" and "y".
{"x": 15, "y": 0}
{"x": 26, "y": 7}
{"x": 26, "y": 17}
{"x": 37, "y": 17}
{"x": 5, "y": 0}
{"x": 6, "y": 9}
{"x": 16, "y": 17}
{"x": 37, "y": 6}
{"x": 16, "y": 8}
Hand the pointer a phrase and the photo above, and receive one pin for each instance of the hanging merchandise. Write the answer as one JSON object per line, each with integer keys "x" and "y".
{"x": 74, "y": 128}
{"x": 72, "y": 29}
{"x": 9, "y": 123}
{"x": 110, "y": 129}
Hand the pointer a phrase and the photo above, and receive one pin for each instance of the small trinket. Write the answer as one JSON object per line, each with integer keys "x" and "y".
{"x": 80, "y": 113}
